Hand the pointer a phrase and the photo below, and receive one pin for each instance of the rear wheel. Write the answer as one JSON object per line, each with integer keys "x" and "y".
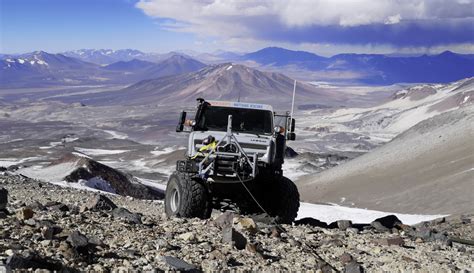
{"x": 186, "y": 197}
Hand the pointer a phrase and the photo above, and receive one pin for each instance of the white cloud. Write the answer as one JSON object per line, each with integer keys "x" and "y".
{"x": 237, "y": 21}
{"x": 307, "y": 12}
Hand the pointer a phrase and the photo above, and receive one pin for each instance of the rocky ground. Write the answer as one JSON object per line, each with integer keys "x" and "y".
{"x": 64, "y": 229}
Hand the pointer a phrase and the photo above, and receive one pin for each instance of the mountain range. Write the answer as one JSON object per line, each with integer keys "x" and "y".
{"x": 371, "y": 68}
{"x": 40, "y": 68}
{"x": 226, "y": 81}
{"x": 128, "y": 66}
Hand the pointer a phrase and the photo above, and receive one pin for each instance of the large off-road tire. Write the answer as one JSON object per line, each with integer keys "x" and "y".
{"x": 187, "y": 197}
{"x": 283, "y": 200}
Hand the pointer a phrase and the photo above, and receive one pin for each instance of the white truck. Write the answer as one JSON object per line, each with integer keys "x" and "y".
{"x": 234, "y": 159}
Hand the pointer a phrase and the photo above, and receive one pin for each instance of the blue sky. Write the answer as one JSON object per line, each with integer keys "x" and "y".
{"x": 325, "y": 27}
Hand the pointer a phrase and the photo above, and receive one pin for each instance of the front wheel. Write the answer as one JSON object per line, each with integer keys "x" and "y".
{"x": 283, "y": 200}
{"x": 186, "y": 197}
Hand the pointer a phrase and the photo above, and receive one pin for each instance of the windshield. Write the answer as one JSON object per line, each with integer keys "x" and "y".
{"x": 243, "y": 120}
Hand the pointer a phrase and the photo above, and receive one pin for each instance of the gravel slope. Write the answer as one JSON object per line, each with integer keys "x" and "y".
{"x": 429, "y": 169}
{"x": 144, "y": 239}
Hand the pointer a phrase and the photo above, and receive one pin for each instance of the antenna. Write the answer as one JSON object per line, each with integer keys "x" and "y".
{"x": 293, "y": 101}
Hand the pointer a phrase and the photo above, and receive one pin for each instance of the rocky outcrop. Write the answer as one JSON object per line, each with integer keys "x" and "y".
{"x": 104, "y": 178}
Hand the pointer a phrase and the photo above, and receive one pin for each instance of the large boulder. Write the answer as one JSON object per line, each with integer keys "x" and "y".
{"x": 103, "y": 177}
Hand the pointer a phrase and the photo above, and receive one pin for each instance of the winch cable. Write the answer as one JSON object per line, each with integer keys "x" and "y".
{"x": 278, "y": 226}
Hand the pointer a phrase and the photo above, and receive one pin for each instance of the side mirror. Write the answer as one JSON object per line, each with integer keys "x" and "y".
{"x": 182, "y": 119}
{"x": 292, "y": 127}
{"x": 291, "y": 136}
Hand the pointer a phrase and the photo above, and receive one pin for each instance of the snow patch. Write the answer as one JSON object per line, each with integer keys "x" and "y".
{"x": 6, "y": 162}
{"x": 97, "y": 183}
{"x": 166, "y": 150}
{"x": 229, "y": 68}
{"x": 116, "y": 134}
{"x": 332, "y": 213}
{"x": 92, "y": 152}
{"x": 21, "y": 61}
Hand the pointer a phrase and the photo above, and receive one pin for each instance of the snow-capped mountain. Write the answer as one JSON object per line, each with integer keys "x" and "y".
{"x": 41, "y": 68}
{"x": 44, "y": 69}
{"x": 108, "y": 56}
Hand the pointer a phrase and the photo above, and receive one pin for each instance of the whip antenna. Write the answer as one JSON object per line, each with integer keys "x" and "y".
{"x": 293, "y": 101}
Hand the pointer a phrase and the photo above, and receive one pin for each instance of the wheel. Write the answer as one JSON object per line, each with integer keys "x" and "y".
{"x": 282, "y": 200}
{"x": 187, "y": 197}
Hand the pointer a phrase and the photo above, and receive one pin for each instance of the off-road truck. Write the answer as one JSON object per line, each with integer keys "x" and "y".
{"x": 234, "y": 159}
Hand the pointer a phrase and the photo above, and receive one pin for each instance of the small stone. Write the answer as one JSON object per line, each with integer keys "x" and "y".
{"x": 230, "y": 235}
{"x": 9, "y": 252}
{"x": 45, "y": 243}
{"x": 408, "y": 259}
{"x": 398, "y": 241}
{"x": 275, "y": 232}
{"x": 379, "y": 227}
{"x": 216, "y": 255}
{"x": 389, "y": 221}
{"x": 188, "y": 236}
{"x": 59, "y": 207}
{"x": 352, "y": 230}
{"x": 345, "y": 258}
{"x": 353, "y": 267}
{"x": 24, "y": 213}
{"x": 344, "y": 224}
{"x": 178, "y": 264}
{"x": 419, "y": 240}
{"x": 3, "y": 198}
{"x": 246, "y": 224}
{"x": 98, "y": 202}
{"x": 47, "y": 232}
{"x": 30, "y": 222}
{"x": 376, "y": 250}
{"x": 124, "y": 214}
{"x": 77, "y": 239}
{"x": 224, "y": 220}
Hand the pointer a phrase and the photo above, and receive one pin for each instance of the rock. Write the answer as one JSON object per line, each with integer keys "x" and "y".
{"x": 419, "y": 240}
{"x": 124, "y": 214}
{"x": 3, "y": 215}
{"x": 30, "y": 222}
{"x": 98, "y": 202}
{"x": 77, "y": 240}
{"x": 408, "y": 259}
{"x": 388, "y": 222}
{"x": 352, "y": 230}
{"x": 24, "y": 213}
{"x": 59, "y": 207}
{"x": 397, "y": 240}
{"x": 230, "y": 235}
{"x": 353, "y": 267}
{"x": 379, "y": 227}
{"x": 275, "y": 232}
{"x": 246, "y": 224}
{"x": 312, "y": 222}
{"x": 3, "y": 198}
{"x": 224, "y": 220}
{"x": 179, "y": 264}
{"x": 345, "y": 258}
{"x": 47, "y": 232}
{"x": 188, "y": 236}
{"x": 30, "y": 261}
{"x": 344, "y": 224}
{"x": 37, "y": 206}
